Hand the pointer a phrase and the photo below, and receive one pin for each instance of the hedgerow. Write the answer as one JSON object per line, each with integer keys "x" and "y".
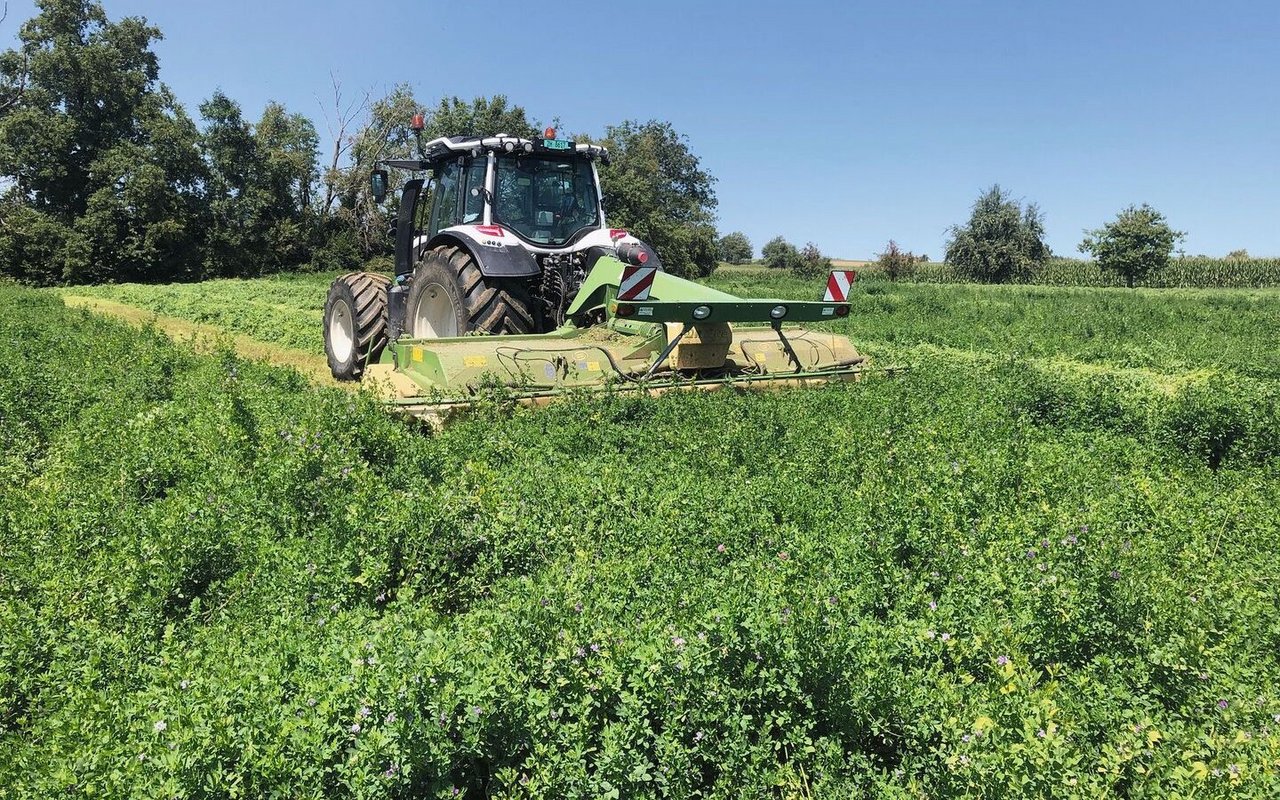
{"x": 987, "y": 577}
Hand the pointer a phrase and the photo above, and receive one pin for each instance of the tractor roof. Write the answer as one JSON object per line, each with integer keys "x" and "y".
{"x": 446, "y": 147}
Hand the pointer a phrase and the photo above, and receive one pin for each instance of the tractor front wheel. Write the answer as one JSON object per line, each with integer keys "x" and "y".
{"x": 449, "y": 296}
{"x": 355, "y": 323}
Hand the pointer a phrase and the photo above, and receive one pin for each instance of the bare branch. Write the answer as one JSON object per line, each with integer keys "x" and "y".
{"x": 337, "y": 126}
{"x": 20, "y": 85}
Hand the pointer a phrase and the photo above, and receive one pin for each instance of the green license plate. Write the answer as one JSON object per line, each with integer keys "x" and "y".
{"x": 556, "y": 144}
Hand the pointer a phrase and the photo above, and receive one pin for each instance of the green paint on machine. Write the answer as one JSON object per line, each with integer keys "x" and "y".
{"x": 678, "y": 338}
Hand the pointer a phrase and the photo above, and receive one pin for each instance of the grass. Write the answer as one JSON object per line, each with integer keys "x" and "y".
{"x": 1042, "y": 559}
{"x": 994, "y": 571}
{"x": 1167, "y": 330}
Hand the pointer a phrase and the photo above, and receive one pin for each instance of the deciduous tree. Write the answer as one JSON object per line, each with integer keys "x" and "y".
{"x": 1136, "y": 243}
{"x": 656, "y": 188}
{"x": 1001, "y": 240}
{"x": 259, "y": 188}
{"x": 778, "y": 253}
{"x": 98, "y": 163}
{"x": 735, "y": 248}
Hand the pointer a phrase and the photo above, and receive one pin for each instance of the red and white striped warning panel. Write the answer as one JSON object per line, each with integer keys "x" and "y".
{"x": 838, "y": 285}
{"x": 636, "y": 282}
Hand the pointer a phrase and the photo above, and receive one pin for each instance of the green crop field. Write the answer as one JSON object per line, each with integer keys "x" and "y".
{"x": 1041, "y": 563}
{"x": 1170, "y": 331}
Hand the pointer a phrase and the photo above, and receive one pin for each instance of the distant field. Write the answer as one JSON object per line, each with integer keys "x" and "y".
{"x": 1163, "y": 330}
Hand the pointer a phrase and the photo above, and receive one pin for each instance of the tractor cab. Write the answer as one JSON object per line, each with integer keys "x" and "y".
{"x": 546, "y": 190}
{"x": 521, "y": 218}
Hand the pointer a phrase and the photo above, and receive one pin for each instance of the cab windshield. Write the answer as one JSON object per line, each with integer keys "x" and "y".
{"x": 546, "y": 199}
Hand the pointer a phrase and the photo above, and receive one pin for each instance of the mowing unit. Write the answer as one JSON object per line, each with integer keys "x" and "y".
{"x": 507, "y": 236}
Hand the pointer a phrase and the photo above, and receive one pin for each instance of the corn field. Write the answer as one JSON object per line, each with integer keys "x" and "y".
{"x": 1182, "y": 273}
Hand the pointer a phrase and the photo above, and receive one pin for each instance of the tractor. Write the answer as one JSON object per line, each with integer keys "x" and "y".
{"x": 507, "y": 272}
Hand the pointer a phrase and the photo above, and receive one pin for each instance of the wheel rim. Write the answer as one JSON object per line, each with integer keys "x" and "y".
{"x": 342, "y": 331}
{"x": 434, "y": 316}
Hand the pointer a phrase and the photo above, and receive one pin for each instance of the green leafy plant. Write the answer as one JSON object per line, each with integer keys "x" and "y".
{"x": 1013, "y": 566}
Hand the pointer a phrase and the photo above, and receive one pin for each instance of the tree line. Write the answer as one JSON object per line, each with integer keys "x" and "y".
{"x": 1003, "y": 240}
{"x": 105, "y": 176}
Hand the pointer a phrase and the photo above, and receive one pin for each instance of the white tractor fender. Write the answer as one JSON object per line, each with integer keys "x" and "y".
{"x": 498, "y": 252}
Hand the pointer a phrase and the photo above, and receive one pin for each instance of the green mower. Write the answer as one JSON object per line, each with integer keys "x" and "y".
{"x": 508, "y": 275}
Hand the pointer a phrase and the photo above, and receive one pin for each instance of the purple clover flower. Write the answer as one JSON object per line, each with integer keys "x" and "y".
{"x": 1002, "y": 661}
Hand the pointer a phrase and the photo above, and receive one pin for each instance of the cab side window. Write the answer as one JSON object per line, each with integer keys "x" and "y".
{"x": 473, "y": 205}
{"x": 422, "y": 213}
{"x": 444, "y": 209}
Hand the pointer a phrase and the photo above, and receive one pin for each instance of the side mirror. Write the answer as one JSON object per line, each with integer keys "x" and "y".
{"x": 378, "y": 185}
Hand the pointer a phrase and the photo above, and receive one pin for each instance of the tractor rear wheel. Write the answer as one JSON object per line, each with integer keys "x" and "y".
{"x": 449, "y": 296}
{"x": 355, "y": 323}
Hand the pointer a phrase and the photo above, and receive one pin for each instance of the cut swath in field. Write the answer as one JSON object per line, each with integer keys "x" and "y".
{"x": 207, "y": 338}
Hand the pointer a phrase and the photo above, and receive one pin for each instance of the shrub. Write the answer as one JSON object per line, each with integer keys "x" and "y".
{"x": 895, "y": 264}
{"x": 812, "y": 263}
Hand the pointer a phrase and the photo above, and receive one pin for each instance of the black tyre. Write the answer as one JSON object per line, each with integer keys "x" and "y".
{"x": 355, "y": 323}
{"x": 450, "y": 297}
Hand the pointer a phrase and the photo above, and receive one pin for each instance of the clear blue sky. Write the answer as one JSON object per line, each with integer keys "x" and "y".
{"x": 843, "y": 123}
